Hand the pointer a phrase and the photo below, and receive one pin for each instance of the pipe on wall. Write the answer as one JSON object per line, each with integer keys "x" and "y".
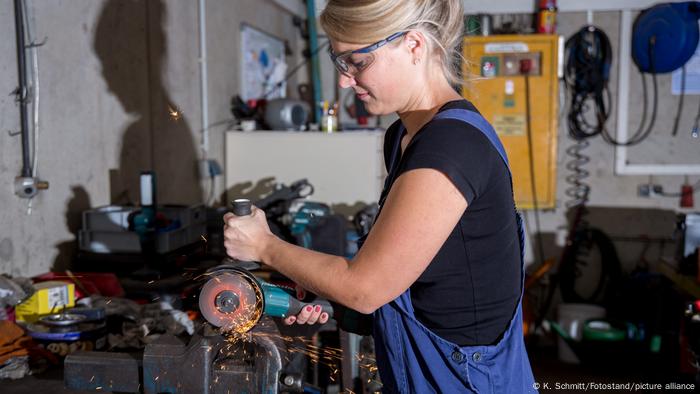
{"x": 22, "y": 88}
{"x": 203, "y": 78}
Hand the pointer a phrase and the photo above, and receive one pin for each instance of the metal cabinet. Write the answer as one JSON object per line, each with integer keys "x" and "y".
{"x": 516, "y": 88}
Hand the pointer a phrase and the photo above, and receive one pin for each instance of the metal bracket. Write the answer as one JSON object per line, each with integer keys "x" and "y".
{"x": 34, "y": 44}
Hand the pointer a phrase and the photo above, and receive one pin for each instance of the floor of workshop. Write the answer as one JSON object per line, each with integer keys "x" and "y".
{"x": 549, "y": 372}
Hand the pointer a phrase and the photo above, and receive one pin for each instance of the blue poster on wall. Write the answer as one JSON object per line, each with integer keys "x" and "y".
{"x": 263, "y": 67}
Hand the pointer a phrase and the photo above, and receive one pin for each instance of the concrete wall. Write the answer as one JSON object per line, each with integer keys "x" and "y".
{"x": 120, "y": 90}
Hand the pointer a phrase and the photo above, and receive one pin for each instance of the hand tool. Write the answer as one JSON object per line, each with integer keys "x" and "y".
{"x": 235, "y": 300}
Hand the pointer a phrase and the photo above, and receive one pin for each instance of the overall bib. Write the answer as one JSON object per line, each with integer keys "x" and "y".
{"x": 413, "y": 359}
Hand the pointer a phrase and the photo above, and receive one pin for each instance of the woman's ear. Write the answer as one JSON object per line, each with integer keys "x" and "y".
{"x": 416, "y": 44}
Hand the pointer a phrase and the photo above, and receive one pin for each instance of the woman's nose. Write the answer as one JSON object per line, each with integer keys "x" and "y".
{"x": 345, "y": 81}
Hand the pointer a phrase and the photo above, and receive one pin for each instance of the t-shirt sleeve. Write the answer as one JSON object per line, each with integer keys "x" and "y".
{"x": 458, "y": 150}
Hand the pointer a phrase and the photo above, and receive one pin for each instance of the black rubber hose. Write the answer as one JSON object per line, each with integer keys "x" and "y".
{"x": 572, "y": 263}
{"x": 22, "y": 89}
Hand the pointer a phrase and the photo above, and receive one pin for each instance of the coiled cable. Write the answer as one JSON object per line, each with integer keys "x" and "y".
{"x": 587, "y": 73}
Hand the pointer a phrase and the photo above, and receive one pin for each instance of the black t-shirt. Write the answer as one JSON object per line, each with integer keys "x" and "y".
{"x": 469, "y": 292}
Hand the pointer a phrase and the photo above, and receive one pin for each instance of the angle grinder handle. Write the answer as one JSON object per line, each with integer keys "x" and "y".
{"x": 295, "y": 306}
{"x": 242, "y": 207}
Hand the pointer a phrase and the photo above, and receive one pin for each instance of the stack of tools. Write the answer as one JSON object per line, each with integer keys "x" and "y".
{"x": 116, "y": 229}
{"x": 67, "y": 332}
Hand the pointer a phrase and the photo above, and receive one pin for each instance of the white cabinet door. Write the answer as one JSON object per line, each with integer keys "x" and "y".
{"x": 345, "y": 168}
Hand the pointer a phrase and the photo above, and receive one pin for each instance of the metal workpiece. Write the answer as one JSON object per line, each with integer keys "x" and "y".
{"x": 118, "y": 372}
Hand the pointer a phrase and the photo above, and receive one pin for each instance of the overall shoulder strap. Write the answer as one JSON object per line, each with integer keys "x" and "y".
{"x": 478, "y": 121}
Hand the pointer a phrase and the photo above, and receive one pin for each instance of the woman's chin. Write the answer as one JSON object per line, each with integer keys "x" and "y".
{"x": 375, "y": 109}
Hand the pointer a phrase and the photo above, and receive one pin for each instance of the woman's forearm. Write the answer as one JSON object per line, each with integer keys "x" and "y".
{"x": 324, "y": 274}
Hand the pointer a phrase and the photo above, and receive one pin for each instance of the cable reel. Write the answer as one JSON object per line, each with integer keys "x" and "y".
{"x": 665, "y": 36}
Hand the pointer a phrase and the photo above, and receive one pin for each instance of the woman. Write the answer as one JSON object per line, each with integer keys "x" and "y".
{"x": 441, "y": 269}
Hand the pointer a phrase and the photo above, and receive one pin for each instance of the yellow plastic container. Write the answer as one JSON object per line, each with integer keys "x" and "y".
{"x": 51, "y": 296}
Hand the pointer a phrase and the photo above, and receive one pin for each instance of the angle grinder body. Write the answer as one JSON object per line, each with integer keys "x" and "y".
{"x": 235, "y": 300}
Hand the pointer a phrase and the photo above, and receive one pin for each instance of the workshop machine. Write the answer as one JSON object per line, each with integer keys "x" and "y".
{"x": 239, "y": 351}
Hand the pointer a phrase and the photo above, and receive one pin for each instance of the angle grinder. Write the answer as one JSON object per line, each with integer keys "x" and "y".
{"x": 235, "y": 299}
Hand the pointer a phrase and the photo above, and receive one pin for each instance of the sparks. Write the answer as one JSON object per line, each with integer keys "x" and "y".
{"x": 175, "y": 114}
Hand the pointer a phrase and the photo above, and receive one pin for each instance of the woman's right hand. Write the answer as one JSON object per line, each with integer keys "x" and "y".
{"x": 310, "y": 314}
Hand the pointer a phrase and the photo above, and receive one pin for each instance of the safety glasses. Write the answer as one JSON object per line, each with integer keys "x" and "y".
{"x": 353, "y": 62}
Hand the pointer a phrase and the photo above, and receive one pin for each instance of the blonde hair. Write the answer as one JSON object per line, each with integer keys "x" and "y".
{"x": 368, "y": 21}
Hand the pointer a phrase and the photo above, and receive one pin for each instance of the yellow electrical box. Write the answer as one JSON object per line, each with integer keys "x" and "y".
{"x": 515, "y": 87}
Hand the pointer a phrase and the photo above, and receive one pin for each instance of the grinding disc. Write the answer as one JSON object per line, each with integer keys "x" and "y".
{"x": 231, "y": 301}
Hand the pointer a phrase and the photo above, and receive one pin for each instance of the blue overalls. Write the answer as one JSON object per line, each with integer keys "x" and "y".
{"x": 413, "y": 359}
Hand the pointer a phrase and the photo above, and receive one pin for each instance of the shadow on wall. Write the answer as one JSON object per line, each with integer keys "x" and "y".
{"x": 67, "y": 250}
{"x": 130, "y": 43}
{"x": 248, "y": 190}
{"x": 265, "y": 186}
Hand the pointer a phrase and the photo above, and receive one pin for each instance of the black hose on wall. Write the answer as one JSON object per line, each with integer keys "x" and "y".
{"x": 22, "y": 88}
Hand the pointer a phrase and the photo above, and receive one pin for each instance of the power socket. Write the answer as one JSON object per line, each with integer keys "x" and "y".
{"x": 644, "y": 190}
{"x": 649, "y": 190}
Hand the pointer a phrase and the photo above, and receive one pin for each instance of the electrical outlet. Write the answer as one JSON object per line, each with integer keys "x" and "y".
{"x": 649, "y": 190}
{"x": 644, "y": 190}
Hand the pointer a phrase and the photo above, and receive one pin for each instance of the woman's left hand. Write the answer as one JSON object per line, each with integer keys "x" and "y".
{"x": 245, "y": 237}
{"x": 311, "y": 314}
